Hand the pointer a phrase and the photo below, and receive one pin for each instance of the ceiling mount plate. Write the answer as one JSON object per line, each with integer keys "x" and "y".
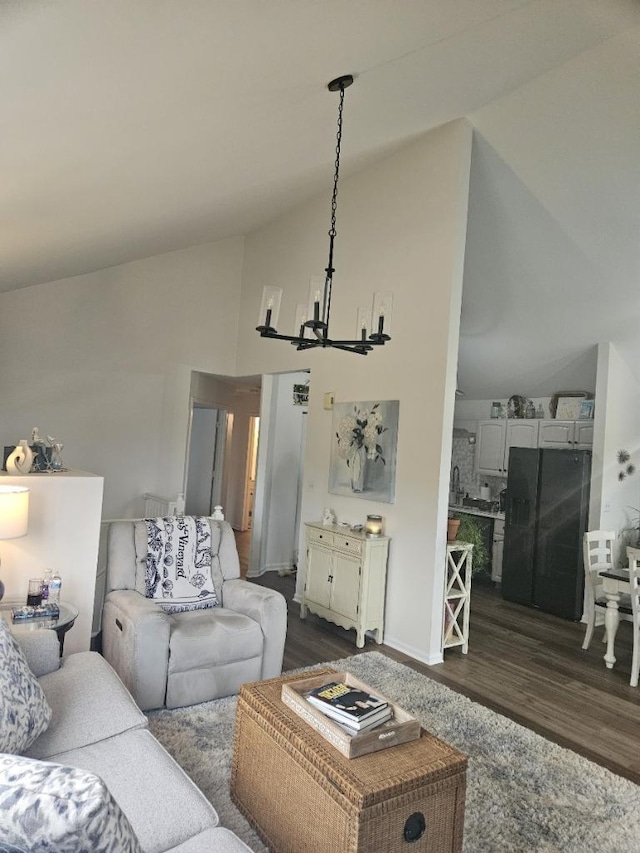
{"x": 340, "y": 83}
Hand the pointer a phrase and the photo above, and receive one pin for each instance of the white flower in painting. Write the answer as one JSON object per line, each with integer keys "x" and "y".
{"x": 362, "y": 429}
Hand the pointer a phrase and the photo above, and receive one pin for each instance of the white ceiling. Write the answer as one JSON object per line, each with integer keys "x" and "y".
{"x": 134, "y": 127}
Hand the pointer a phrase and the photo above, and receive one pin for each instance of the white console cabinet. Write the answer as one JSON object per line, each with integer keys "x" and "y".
{"x": 346, "y": 578}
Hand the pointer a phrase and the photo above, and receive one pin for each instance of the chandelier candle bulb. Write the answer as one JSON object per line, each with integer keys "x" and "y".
{"x": 374, "y": 525}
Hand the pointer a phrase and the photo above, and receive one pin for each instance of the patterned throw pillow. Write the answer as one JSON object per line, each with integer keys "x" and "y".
{"x": 47, "y": 807}
{"x": 24, "y": 710}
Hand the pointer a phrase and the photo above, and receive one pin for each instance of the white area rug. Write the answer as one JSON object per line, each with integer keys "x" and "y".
{"x": 524, "y": 793}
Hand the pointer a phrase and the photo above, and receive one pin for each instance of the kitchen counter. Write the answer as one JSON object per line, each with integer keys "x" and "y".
{"x": 472, "y": 510}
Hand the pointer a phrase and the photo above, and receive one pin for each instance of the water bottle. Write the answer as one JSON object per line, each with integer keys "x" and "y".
{"x": 55, "y": 585}
{"x": 48, "y": 575}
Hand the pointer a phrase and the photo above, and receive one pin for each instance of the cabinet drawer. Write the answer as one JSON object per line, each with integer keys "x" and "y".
{"x": 348, "y": 543}
{"x": 325, "y": 536}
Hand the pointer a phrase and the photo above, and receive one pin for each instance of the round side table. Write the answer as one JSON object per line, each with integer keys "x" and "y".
{"x": 64, "y": 622}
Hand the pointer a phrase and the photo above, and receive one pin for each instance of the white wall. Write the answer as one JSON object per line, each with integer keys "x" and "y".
{"x": 401, "y": 227}
{"x": 64, "y": 526}
{"x": 103, "y": 362}
{"x": 615, "y": 504}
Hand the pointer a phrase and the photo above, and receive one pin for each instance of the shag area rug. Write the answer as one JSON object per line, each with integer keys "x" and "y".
{"x": 524, "y": 793}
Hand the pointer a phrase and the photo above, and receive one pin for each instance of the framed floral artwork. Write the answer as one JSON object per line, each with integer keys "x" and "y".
{"x": 363, "y": 450}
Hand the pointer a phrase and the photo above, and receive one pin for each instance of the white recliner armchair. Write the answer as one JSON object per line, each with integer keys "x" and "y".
{"x": 178, "y": 659}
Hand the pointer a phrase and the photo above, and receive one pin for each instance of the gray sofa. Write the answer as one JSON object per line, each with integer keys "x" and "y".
{"x": 97, "y": 726}
{"x": 183, "y": 658}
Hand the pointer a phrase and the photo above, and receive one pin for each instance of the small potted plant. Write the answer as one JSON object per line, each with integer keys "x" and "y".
{"x": 453, "y": 524}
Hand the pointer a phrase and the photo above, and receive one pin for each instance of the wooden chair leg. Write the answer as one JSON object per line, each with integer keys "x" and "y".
{"x": 589, "y": 633}
{"x": 635, "y": 661}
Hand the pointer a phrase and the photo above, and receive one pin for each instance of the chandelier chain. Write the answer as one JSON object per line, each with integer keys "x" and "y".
{"x": 336, "y": 175}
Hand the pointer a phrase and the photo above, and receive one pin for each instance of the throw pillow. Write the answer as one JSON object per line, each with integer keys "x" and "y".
{"x": 24, "y": 710}
{"x": 48, "y": 807}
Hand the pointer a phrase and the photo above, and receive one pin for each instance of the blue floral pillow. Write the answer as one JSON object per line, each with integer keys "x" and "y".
{"x": 47, "y": 807}
{"x": 24, "y": 710}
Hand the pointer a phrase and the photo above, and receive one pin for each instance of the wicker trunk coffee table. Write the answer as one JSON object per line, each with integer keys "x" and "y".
{"x": 302, "y": 796}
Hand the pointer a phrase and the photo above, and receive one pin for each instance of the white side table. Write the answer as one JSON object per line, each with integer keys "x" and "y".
{"x": 457, "y": 596}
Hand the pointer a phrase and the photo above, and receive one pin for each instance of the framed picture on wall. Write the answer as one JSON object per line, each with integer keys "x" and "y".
{"x": 363, "y": 450}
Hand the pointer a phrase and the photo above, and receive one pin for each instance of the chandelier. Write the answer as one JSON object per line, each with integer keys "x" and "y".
{"x": 312, "y": 320}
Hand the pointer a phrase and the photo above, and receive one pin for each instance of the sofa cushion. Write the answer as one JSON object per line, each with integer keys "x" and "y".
{"x": 24, "y": 710}
{"x": 162, "y": 804}
{"x": 208, "y": 639}
{"x": 88, "y": 703}
{"x": 48, "y": 807}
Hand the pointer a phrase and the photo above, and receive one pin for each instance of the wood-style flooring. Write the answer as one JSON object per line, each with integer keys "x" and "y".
{"x": 522, "y": 663}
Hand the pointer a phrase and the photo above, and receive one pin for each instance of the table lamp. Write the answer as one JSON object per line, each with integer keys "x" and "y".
{"x": 14, "y": 515}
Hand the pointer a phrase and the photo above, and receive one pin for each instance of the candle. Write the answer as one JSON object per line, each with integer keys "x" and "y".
{"x": 373, "y": 526}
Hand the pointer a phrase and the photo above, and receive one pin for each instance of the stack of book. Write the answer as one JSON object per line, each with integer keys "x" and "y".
{"x": 354, "y": 710}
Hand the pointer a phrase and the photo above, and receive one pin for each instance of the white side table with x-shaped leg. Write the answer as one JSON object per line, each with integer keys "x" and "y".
{"x": 457, "y": 596}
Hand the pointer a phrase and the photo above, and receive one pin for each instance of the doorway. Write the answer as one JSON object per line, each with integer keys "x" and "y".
{"x": 205, "y": 466}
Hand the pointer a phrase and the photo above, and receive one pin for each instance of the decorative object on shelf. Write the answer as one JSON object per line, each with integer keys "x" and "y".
{"x": 217, "y": 514}
{"x": 496, "y": 409}
{"x": 21, "y": 460}
{"x": 553, "y": 402}
{"x": 312, "y": 323}
{"x": 374, "y": 525}
{"x": 363, "y": 450}
{"x": 14, "y": 515}
{"x": 516, "y": 406}
{"x": 453, "y": 525}
{"x": 568, "y": 408}
{"x": 530, "y": 411}
{"x": 586, "y": 409}
{"x": 328, "y": 516}
{"x": 46, "y": 453}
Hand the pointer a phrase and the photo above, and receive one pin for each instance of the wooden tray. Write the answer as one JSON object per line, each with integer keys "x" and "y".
{"x": 402, "y": 727}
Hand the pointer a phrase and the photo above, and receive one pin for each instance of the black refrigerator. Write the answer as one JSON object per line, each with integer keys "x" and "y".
{"x": 546, "y": 515}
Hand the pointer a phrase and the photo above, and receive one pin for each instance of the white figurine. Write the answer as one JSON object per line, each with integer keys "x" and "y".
{"x": 328, "y": 516}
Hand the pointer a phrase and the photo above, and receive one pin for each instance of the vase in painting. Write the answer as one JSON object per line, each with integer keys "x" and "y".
{"x": 357, "y": 466}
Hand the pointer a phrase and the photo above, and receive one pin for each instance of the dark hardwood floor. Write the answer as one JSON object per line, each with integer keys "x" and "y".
{"x": 522, "y": 663}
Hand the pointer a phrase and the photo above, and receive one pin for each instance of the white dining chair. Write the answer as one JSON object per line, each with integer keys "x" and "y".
{"x": 597, "y": 555}
{"x": 634, "y": 579}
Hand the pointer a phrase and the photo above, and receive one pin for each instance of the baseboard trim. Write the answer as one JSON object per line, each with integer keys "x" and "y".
{"x": 414, "y": 652}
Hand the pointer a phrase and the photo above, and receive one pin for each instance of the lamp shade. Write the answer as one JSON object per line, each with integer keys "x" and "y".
{"x": 14, "y": 511}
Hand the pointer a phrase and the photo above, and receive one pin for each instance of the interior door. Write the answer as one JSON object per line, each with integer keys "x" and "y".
{"x": 206, "y": 456}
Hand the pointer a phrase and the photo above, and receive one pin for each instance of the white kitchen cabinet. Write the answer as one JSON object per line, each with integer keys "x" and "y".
{"x": 571, "y": 435}
{"x": 495, "y": 438}
{"x": 346, "y": 579}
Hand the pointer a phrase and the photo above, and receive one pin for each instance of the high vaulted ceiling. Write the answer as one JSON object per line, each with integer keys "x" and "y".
{"x": 135, "y": 127}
